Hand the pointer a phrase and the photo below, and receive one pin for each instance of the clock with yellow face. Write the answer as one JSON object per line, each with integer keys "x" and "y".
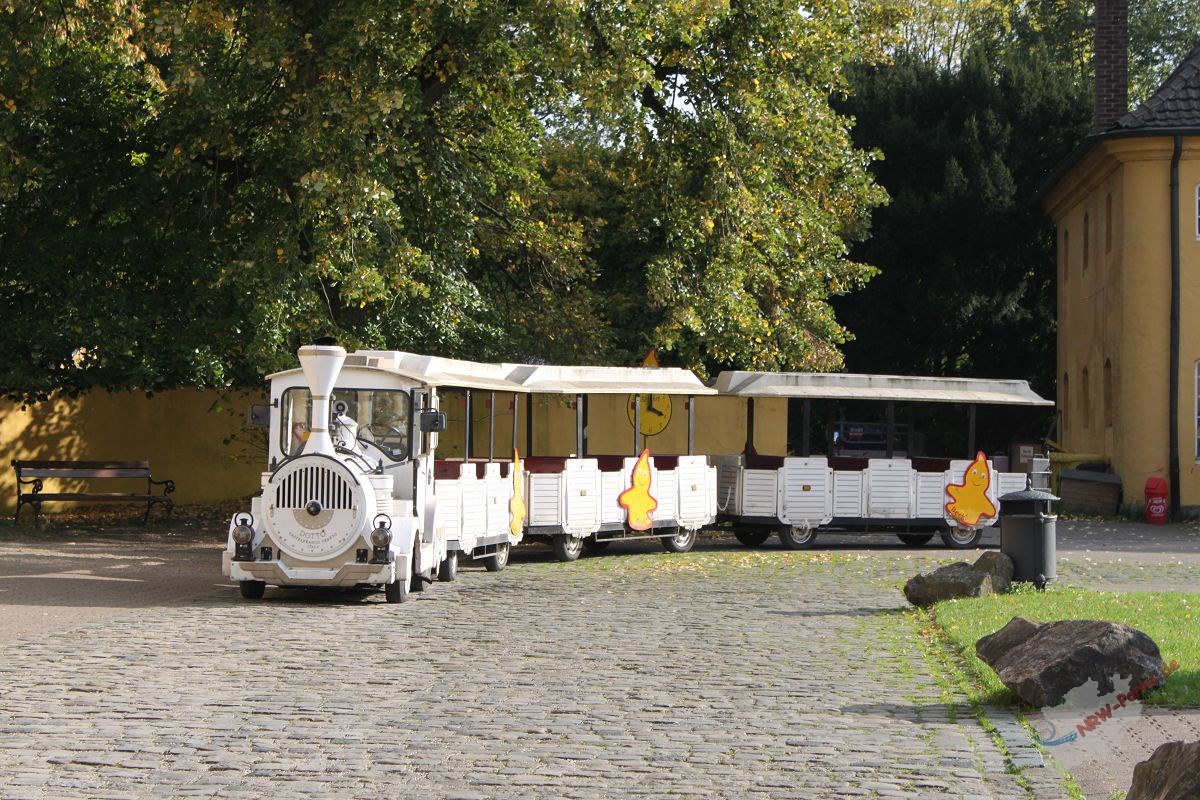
{"x": 656, "y": 412}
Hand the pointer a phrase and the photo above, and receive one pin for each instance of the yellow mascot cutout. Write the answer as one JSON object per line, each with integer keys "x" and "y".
{"x": 968, "y": 500}
{"x": 516, "y": 506}
{"x": 637, "y": 500}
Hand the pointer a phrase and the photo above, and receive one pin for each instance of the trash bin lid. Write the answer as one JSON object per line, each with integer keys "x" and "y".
{"x": 1028, "y": 495}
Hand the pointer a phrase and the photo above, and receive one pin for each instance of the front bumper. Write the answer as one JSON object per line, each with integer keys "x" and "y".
{"x": 276, "y": 573}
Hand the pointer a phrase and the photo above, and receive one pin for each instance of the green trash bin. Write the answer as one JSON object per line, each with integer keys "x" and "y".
{"x": 1028, "y": 534}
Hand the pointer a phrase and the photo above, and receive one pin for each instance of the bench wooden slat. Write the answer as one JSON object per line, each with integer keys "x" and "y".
{"x": 97, "y": 496}
{"x": 62, "y": 463}
{"x": 85, "y": 473}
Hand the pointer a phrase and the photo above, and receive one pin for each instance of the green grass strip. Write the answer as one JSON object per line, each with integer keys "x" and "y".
{"x": 1171, "y": 619}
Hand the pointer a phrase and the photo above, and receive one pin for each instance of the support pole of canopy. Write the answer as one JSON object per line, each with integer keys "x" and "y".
{"x": 891, "y": 428}
{"x": 691, "y": 406}
{"x": 637, "y": 422}
{"x": 529, "y": 426}
{"x": 467, "y": 429}
{"x": 492, "y": 426}
{"x": 749, "y": 425}
{"x": 579, "y": 426}
{"x": 805, "y": 444}
{"x": 516, "y": 407}
{"x": 971, "y": 431}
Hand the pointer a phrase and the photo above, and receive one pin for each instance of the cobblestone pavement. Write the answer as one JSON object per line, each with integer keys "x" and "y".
{"x": 129, "y": 669}
{"x": 723, "y": 673}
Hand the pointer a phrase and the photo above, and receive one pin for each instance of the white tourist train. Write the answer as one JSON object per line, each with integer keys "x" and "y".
{"x": 356, "y": 494}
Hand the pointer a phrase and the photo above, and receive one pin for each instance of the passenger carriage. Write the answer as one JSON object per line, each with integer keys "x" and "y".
{"x": 914, "y": 497}
{"x": 582, "y": 498}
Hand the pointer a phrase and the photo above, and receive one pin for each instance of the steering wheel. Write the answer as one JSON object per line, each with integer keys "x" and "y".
{"x": 388, "y": 439}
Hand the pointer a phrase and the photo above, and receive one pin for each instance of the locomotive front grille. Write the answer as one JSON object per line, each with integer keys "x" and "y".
{"x": 316, "y": 482}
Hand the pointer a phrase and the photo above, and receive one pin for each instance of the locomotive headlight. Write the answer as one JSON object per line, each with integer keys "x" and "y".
{"x": 243, "y": 534}
{"x": 381, "y": 537}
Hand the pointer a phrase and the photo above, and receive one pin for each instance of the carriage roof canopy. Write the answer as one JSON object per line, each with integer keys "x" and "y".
{"x": 525, "y": 378}
{"x": 607, "y": 380}
{"x": 847, "y": 386}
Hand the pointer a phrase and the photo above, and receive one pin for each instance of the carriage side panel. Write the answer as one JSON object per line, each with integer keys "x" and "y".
{"x": 806, "y": 496}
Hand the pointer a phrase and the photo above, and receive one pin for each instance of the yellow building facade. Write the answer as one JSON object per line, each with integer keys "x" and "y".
{"x": 1120, "y": 238}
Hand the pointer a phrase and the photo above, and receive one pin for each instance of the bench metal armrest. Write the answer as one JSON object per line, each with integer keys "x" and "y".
{"x": 36, "y": 483}
{"x": 169, "y": 484}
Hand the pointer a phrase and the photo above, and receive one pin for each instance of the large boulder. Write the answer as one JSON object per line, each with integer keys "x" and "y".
{"x": 991, "y": 572}
{"x": 1171, "y": 773}
{"x": 1042, "y": 661}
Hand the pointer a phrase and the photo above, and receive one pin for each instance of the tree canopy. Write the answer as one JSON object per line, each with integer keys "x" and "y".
{"x": 189, "y": 191}
{"x": 967, "y": 258}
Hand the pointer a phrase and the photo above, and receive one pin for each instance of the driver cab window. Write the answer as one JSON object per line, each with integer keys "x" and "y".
{"x": 372, "y": 421}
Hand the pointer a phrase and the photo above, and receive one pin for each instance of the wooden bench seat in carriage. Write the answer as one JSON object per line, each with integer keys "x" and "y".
{"x": 34, "y": 474}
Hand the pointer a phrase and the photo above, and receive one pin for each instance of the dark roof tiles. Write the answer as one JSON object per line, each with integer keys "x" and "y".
{"x": 1175, "y": 105}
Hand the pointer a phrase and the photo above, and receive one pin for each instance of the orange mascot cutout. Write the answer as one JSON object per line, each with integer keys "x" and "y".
{"x": 968, "y": 500}
{"x": 636, "y": 500}
{"x": 516, "y": 506}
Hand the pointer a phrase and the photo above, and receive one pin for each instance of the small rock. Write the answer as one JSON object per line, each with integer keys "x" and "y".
{"x": 1042, "y": 661}
{"x": 991, "y": 573}
{"x": 1171, "y": 773}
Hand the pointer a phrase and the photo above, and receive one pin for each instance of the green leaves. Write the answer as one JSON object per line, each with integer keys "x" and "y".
{"x": 196, "y": 189}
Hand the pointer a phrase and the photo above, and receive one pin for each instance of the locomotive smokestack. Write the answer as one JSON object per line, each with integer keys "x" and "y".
{"x": 321, "y": 364}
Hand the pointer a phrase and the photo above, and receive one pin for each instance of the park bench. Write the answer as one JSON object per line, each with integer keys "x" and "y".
{"x": 34, "y": 473}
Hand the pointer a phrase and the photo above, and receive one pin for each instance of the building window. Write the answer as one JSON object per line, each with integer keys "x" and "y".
{"x": 1085, "y": 396}
{"x": 1066, "y": 255}
{"x": 1066, "y": 405}
{"x": 1086, "y": 237}
{"x": 1108, "y": 394}
{"x": 1108, "y": 224}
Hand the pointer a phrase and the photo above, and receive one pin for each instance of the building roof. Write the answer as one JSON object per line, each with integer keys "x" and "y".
{"x": 1173, "y": 109}
{"x": 1175, "y": 105}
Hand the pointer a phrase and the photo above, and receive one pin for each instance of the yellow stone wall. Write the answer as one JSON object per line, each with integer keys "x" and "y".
{"x": 1117, "y": 311}
{"x": 181, "y": 433}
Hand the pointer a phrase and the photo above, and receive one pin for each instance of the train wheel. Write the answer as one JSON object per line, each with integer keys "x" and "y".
{"x": 681, "y": 542}
{"x": 915, "y": 539}
{"x": 252, "y": 590}
{"x": 962, "y": 538}
{"x": 596, "y": 546}
{"x": 398, "y": 590}
{"x": 795, "y": 537}
{"x": 751, "y": 537}
{"x": 448, "y": 571}
{"x": 497, "y": 560}
{"x": 567, "y": 547}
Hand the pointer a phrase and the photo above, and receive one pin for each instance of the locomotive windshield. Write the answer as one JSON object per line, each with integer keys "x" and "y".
{"x": 378, "y": 419}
